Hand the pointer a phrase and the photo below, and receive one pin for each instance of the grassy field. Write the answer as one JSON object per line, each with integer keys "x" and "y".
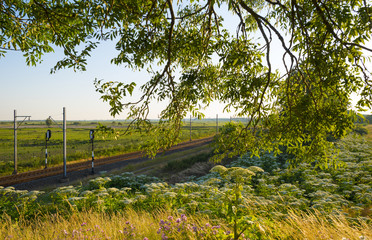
{"x": 31, "y": 142}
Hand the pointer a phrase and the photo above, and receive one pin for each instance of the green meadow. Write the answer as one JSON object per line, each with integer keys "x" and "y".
{"x": 31, "y": 142}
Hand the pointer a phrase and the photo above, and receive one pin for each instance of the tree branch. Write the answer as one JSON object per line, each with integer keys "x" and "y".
{"x": 330, "y": 28}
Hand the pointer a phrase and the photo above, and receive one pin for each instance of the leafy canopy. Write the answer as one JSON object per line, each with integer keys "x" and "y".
{"x": 324, "y": 54}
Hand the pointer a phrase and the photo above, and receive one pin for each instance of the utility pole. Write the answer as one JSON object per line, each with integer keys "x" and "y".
{"x": 64, "y": 178}
{"x": 190, "y": 128}
{"x": 216, "y": 123}
{"x": 64, "y": 145}
{"x": 15, "y": 137}
{"x": 15, "y": 142}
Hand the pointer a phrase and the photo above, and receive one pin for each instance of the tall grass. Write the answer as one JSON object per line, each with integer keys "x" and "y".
{"x": 136, "y": 224}
{"x": 130, "y": 224}
{"x": 315, "y": 226}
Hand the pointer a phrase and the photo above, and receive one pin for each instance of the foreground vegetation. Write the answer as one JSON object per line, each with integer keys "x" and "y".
{"x": 249, "y": 198}
{"x": 137, "y": 224}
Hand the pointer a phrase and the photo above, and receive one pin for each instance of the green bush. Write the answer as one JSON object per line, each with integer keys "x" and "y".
{"x": 359, "y": 129}
{"x": 186, "y": 163}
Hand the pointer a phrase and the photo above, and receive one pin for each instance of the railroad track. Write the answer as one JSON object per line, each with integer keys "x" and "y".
{"x": 81, "y": 165}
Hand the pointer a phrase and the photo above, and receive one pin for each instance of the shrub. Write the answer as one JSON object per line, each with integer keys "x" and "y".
{"x": 186, "y": 163}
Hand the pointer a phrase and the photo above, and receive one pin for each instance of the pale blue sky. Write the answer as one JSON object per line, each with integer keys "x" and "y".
{"x": 34, "y": 91}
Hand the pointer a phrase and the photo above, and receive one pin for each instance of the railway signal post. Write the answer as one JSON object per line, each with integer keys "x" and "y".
{"x": 48, "y": 135}
{"x": 91, "y": 135}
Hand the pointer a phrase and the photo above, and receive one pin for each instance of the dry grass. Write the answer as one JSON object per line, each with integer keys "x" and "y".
{"x": 315, "y": 227}
{"x": 99, "y": 226}
{"x": 93, "y": 225}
